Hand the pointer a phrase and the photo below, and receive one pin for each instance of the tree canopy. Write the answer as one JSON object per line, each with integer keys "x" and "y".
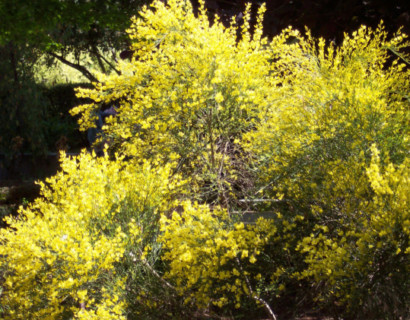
{"x": 59, "y": 27}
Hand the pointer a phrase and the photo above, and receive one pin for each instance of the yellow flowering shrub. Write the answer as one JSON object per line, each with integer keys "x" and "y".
{"x": 188, "y": 94}
{"x": 365, "y": 262}
{"x": 66, "y": 255}
{"x": 313, "y": 154}
{"x": 213, "y": 261}
{"x": 333, "y": 104}
{"x": 208, "y": 114}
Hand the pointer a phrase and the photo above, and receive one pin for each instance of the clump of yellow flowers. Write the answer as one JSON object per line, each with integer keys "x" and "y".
{"x": 212, "y": 259}
{"x": 313, "y": 134}
{"x": 63, "y": 256}
{"x": 188, "y": 94}
{"x": 334, "y": 148}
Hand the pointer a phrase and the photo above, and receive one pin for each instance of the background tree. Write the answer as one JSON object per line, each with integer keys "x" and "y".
{"x": 33, "y": 117}
{"x": 59, "y": 27}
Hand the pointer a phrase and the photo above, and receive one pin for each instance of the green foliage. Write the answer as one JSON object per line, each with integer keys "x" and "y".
{"x": 55, "y": 24}
{"x": 323, "y": 132}
{"x": 58, "y": 123}
{"x": 61, "y": 28}
{"x": 23, "y": 109}
{"x": 35, "y": 118}
{"x": 49, "y": 73}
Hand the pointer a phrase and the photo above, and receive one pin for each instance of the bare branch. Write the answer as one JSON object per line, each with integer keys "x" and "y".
{"x": 253, "y": 294}
{"x": 110, "y": 65}
{"x": 98, "y": 56}
{"x": 76, "y": 66}
{"x": 166, "y": 283}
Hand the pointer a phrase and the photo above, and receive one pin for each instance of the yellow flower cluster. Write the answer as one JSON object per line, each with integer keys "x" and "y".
{"x": 209, "y": 255}
{"x": 371, "y": 248}
{"x": 332, "y": 105}
{"x": 188, "y": 94}
{"x": 58, "y": 257}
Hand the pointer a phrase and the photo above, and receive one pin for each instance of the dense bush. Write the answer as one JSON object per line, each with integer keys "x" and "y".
{"x": 212, "y": 260}
{"x": 318, "y": 134}
{"x": 76, "y": 250}
{"x": 314, "y": 152}
{"x": 189, "y": 93}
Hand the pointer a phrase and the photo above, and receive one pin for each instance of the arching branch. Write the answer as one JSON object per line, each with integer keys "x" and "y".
{"x": 76, "y": 66}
